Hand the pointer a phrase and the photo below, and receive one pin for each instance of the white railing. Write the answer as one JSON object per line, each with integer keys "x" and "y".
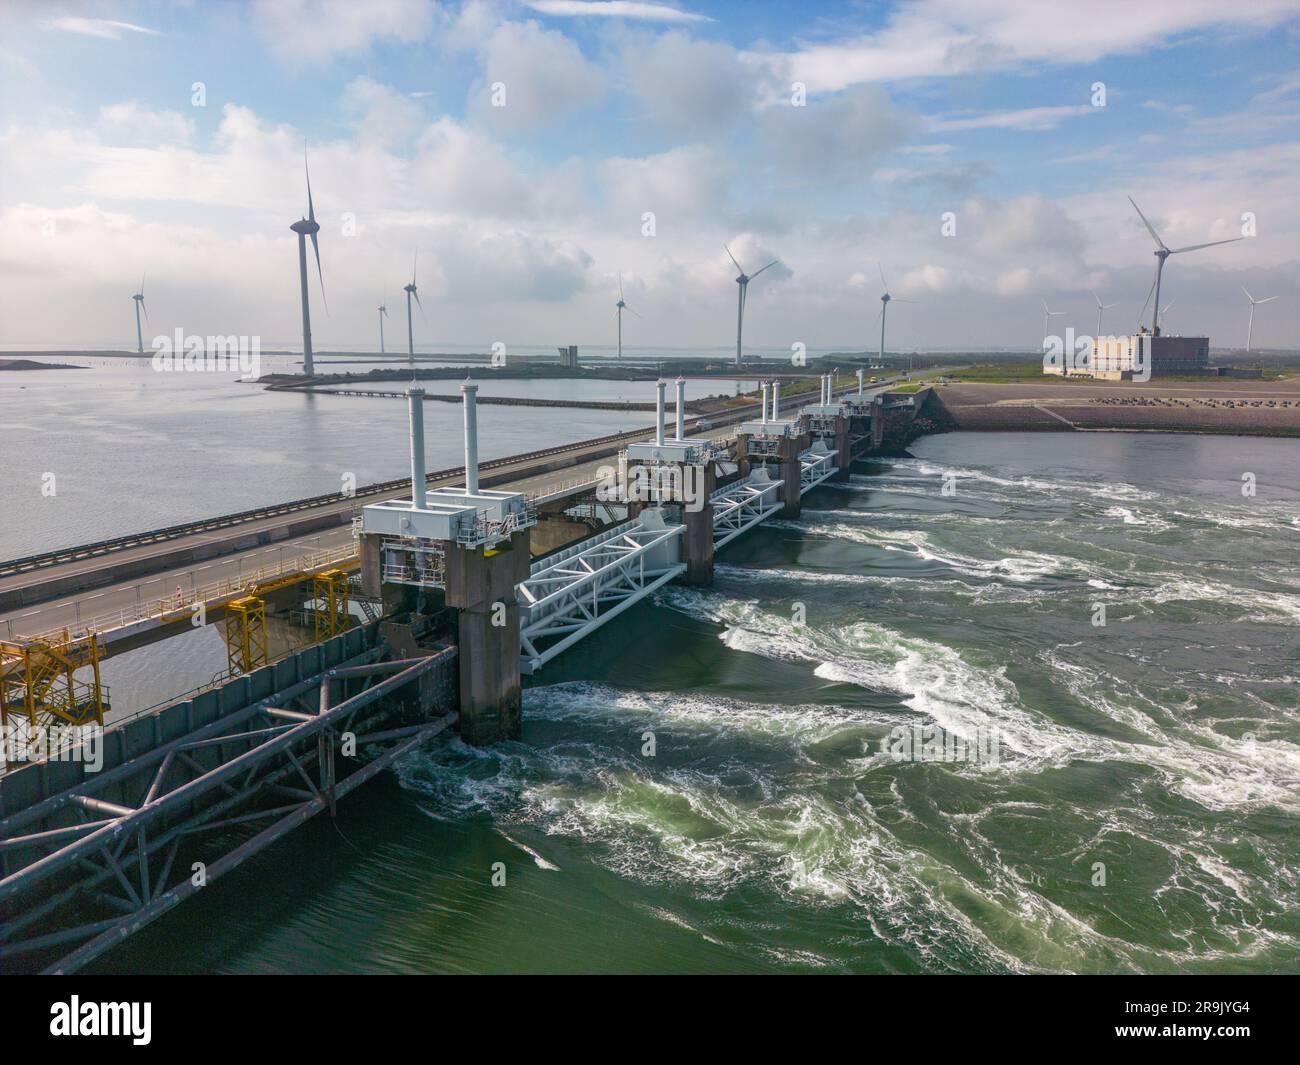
{"x": 417, "y": 562}
{"x": 814, "y": 467}
{"x": 741, "y": 506}
{"x": 177, "y": 607}
{"x": 564, "y": 488}
{"x": 571, "y": 593}
{"x": 485, "y": 530}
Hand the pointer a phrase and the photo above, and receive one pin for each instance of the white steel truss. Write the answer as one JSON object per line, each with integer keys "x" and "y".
{"x": 814, "y": 467}
{"x": 577, "y": 590}
{"x": 741, "y": 506}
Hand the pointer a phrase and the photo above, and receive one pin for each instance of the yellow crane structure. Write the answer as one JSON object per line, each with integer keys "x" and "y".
{"x": 40, "y": 690}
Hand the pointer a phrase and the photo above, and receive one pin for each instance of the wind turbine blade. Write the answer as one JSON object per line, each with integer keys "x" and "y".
{"x": 897, "y": 299}
{"x": 620, "y": 285}
{"x": 883, "y": 283}
{"x": 311, "y": 209}
{"x": 1045, "y": 310}
{"x": 1211, "y": 244}
{"x": 1146, "y": 302}
{"x": 1268, "y": 299}
{"x": 1150, "y": 228}
{"x": 142, "y": 286}
{"x": 1095, "y": 296}
{"x": 316, "y": 248}
{"x": 146, "y": 309}
{"x": 627, "y": 308}
{"x": 1248, "y": 295}
{"x": 420, "y": 305}
{"x": 414, "y": 263}
{"x": 733, "y": 258}
{"x": 772, "y": 263}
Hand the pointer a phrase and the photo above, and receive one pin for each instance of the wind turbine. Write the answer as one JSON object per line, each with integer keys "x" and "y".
{"x": 621, "y": 308}
{"x": 1100, "y": 307}
{"x": 1047, "y": 318}
{"x": 139, "y": 306}
{"x": 885, "y": 300}
{"x": 1250, "y": 327}
{"x": 383, "y": 313}
{"x": 411, "y": 291}
{"x": 308, "y": 227}
{"x": 743, "y": 281}
{"x": 1162, "y": 253}
{"x": 1164, "y": 311}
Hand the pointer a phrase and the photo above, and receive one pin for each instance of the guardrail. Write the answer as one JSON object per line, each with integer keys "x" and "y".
{"x": 177, "y": 608}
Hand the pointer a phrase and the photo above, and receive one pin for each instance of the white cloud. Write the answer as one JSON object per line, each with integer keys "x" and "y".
{"x": 833, "y": 136}
{"x": 379, "y": 113}
{"x": 133, "y": 121}
{"x": 310, "y": 30}
{"x": 545, "y": 77}
{"x": 677, "y": 185}
{"x": 1026, "y": 118}
{"x": 107, "y": 29}
{"x": 940, "y": 38}
{"x": 626, "y": 9}
{"x": 687, "y": 85}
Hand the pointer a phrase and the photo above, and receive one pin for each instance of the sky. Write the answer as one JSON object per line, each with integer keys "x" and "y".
{"x": 979, "y": 152}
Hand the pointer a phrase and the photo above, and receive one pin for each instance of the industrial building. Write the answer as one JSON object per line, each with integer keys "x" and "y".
{"x": 1141, "y": 355}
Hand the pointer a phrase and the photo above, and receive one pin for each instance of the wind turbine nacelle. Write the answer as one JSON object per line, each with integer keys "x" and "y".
{"x": 305, "y": 228}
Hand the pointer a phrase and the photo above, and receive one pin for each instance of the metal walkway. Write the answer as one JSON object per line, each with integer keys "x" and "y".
{"x": 575, "y": 591}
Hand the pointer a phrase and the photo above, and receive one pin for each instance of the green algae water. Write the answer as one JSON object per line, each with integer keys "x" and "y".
{"x": 1141, "y": 814}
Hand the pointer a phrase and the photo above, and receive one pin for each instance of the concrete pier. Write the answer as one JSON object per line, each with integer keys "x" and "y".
{"x": 698, "y": 542}
{"x": 480, "y": 584}
{"x": 790, "y": 449}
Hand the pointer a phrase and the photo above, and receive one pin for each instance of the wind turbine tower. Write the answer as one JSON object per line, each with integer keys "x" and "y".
{"x": 1047, "y": 318}
{"x": 307, "y": 227}
{"x": 621, "y": 308}
{"x": 139, "y": 306}
{"x": 1162, "y": 253}
{"x": 1250, "y": 326}
{"x": 885, "y": 300}
{"x": 383, "y": 313}
{"x": 412, "y": 292}
{"x": 743, "y": 281}
{"x": 1100, "y": 308}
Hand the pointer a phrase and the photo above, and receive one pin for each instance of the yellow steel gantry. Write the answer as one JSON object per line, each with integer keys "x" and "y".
{"x": 39, "y": 688}
{"x": 330, "y": 589}
{"x": 245, "y": 626}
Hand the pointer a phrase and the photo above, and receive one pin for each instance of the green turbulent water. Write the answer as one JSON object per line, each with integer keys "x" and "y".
{"x": 769, "y": 832}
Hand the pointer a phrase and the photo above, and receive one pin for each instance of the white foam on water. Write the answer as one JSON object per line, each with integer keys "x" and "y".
{"x": 1215, "y": 771}
{"x": 1130, "y": 516}
{"x": 538, "y": 860}
{"x": 741, "y": 793}
{"x": 680, "y": 922}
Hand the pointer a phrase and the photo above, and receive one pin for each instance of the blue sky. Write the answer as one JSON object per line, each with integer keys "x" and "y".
{"x": 525, "y": 215}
